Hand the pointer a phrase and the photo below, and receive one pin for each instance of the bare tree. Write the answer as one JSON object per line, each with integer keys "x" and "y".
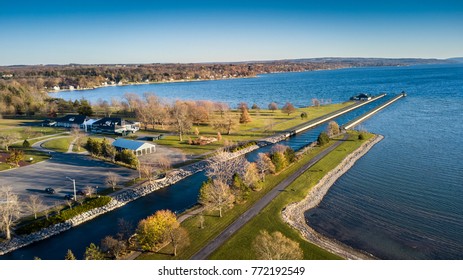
{"x": 163, "y": 163}
{"x": 179, "y": 238}
{"x": 226, "y": 123}
{"x": 89, "y": 190}
{"x": 332, "y": 129}
{"x": 69, "y": 203}
{"x": 221, "y": 167}
{"x": 78, "y": 136}
{"x": 113, "y": 247}
{"x": 34, "y": 204}
{"x": 264, "y": 165}
{"x": 147, "y": 171}
{"x": 276, "y": 246}
{"x": 251, "y": 176}
{"x": 288, "y": 108}
{"x": 112, "y": 180}
{"x": 216, "y": 195}
{"x": 315, "y": 102}
{"x": 181, "y": 122}
{"x": 273, "y": 106}
{"x": 8, "y": 138}
{"x": 9, "y": 210}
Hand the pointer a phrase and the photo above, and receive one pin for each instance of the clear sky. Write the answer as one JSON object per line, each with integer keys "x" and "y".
{"x": 135, "y": 31}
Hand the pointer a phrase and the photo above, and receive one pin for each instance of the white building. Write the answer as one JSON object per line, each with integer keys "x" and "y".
{"x": 139, "y": 148}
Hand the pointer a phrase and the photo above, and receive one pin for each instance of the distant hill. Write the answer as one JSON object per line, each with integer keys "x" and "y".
{"x": 456, "y": 59}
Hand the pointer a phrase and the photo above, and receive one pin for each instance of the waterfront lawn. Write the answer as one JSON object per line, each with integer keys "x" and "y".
{"x": 214, "y": 225}
{"x": 27, "y": 128}
{"x": 264, "y": 123}
{"x": 239, "y": 246}
{"x": 59, "y": 144}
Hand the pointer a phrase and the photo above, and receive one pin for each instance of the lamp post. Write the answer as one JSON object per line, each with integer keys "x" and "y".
{"x": 74, "y": 184}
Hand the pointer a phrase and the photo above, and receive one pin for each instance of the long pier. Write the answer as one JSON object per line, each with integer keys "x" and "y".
{"x": 365, "y": 116}
{"x": 333, "y": 115}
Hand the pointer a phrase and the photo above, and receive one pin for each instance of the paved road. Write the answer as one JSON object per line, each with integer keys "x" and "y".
{"x": 258, "y": 206}
{"x": 33, "y": 179}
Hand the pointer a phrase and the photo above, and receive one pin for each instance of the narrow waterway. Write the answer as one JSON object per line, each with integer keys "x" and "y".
{"x": 177, "y": 197}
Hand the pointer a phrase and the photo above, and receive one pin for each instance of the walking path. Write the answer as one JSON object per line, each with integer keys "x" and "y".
{"x": 259, "y": 205}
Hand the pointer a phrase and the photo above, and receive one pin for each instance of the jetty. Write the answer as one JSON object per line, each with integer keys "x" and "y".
{"x": 370, "y": 113}
{"x": 318, "y": 121}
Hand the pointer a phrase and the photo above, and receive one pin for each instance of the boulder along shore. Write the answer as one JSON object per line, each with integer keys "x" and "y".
{"x": 293, "y": 214}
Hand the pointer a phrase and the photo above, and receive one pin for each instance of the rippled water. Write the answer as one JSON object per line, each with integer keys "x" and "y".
{"x": 404, "y": 199}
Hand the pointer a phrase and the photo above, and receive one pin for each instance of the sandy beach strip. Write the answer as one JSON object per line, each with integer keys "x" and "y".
{"x": 293, "y": 214}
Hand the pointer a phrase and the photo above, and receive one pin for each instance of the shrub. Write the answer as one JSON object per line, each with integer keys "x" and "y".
{"x": 26, "y": 144}
{"x": 279, "y": 160}
{"x": 361, "y": 136}
{"x": 323, "y": 139}
{"x": 89, "y": 204}
{"x": 304, "y": 115}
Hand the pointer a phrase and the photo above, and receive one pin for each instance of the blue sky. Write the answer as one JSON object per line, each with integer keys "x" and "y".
{"x": 49, "y": 31}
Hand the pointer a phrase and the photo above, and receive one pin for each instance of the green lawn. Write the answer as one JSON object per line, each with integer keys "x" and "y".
{"x": 27, "y": 128}
{"x": 214, "y": 224}
{"x": 264, "y": 123}
{"x": 59, "y": 144}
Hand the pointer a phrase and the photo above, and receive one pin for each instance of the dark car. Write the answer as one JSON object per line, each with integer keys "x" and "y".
{"x": 50, "y": 190}
{"x": 69, "y": 197}
{"x": 82, "y": 192}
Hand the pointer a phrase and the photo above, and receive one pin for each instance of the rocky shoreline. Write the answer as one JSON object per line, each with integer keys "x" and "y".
{"x": 117, "y": 201}
{"x": 293, "y": 214}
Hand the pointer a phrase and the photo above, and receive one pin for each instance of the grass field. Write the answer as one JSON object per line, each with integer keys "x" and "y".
{"x": 268, "y": 219}
{"x": 59, "y": 144}
{"x": 27, "y": 128}
{"x": 264, "y": 123}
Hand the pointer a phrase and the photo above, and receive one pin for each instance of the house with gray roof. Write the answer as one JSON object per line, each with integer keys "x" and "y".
{"x": 137, "y": 147}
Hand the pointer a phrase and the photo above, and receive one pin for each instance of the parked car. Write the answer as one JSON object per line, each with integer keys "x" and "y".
{"x": 50, "y": 190}
{"x": 69, "y": 197}
{"x": 82, "y": 192}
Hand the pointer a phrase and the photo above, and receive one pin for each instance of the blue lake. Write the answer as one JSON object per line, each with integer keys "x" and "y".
{"x": 403, "y": 200}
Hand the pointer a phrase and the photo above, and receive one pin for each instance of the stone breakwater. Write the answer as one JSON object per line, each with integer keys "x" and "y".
{"x": 293, "y": 214}
{"x": 118, "y": 200}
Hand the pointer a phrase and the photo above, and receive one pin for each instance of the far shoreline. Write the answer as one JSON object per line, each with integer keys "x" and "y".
{"x": 293, "y": 214}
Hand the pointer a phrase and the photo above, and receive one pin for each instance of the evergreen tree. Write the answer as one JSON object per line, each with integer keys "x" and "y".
{"x": 323, "y": 139}
{"x": 279, "y": 160}
{"x": 245, "y": 117}
{"x": 26, "y": 144}
{"x": 70, "y": 255}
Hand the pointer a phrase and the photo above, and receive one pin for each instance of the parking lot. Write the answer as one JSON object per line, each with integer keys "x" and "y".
{"x": 34, "y": 179}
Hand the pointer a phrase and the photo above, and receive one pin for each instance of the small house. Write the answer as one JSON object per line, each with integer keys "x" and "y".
{"x": 117, "y": 126}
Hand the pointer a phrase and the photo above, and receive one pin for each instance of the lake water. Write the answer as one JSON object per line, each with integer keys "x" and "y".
{"x": 402, "y": 200}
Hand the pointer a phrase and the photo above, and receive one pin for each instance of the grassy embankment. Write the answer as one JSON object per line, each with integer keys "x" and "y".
{"x": 27, "y": 129}
{"x": 268, "y": 219}
{"x": 264, "y": 123}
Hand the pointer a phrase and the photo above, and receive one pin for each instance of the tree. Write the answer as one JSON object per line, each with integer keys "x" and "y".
{"x": 242, "y": 106}
{"x": 216, "y": 195}
{"x": 179, "y": 238}
{"x": 251, "y": 176}
{"x": 181, "y": 122}
{"x": 70, "y": 255}
{"x": 111, "y": 153}
{"x": 128, "y": 157}
{"x": 273, "y": 106}
{"x": 85, "y": 108}
{"x": 222, "y": 168}
{"x": 255, "y": 106}
{"x": 323, "y": 139}
{"x": 226, "y": 123}
{"x": 154, "y": 230}
{"x": 332, "y": 129}
{"x": 264, "y": 165}
{"x": 15, "y": 157}
{"x": 245, "y": 117}
{"x": 288, "y": 108}
{"x": 290, "y": 155}
{"x": 6, "y": 139}
{"x": 26, "y": 144}
{"x": 93, "y": 252}
{"x": 315, "y": 102}
{"x": 113, "y": 247}
{"x": 9, "y": 210}
{"x": 304, "y": 115}
{"x": 276, "y": 246}
{"x": 146, "y": 171}
{"x": 34, "y": 204}
{"x": 279, "y": 160}
{"x": 163, "y": 164}
{"x": 239, "y": 189}
{"x": 112, "y": 180}
{"x": 78, "y": 136}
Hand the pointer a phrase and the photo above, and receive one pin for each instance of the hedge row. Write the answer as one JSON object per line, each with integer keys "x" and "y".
{"x": 89, "y": 204}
